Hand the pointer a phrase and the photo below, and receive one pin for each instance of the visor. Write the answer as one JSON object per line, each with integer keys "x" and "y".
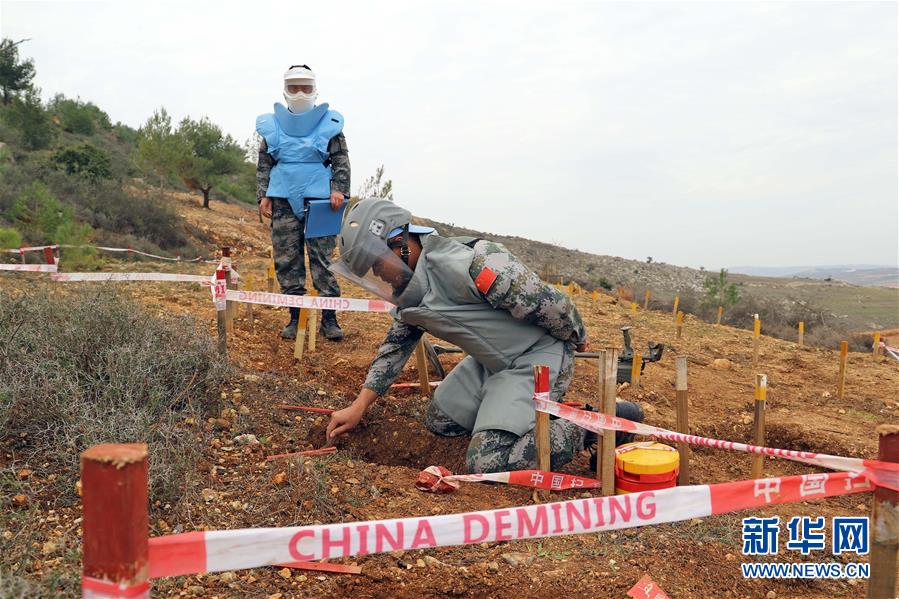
{"x": 412, "y": 229}
{"x": 375, "y": 267}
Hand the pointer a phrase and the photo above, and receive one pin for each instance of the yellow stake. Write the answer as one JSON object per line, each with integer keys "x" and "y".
{"x": 756, "y": 335}
{"x": 676, "y": 302}
{"x": 720, "y": 312}
{"x": 634, "y": 309}
{"x": 801, "y": 333}
{"x": 876, "y": 348}
{"x": 841, "y": 381}
{"x": 646, "y": 297}
{"x": 680, "y": 324}
{"x": 636, "y": 367}
{"x": 301, "y": 334}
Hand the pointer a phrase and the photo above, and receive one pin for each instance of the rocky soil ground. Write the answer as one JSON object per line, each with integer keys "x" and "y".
{"x": 371, "y": 475}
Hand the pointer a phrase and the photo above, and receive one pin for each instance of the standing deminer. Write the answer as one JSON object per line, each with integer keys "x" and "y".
{"x": 303, "y": 155}
{"x": 475, "y": 294}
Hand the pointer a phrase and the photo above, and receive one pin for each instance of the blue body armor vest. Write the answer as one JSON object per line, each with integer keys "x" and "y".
{"x": 299, "y": 145}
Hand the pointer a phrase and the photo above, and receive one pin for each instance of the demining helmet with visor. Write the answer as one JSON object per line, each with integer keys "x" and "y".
{"x": 372, "y": 229}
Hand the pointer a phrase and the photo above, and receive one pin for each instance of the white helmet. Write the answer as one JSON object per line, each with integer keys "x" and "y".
{"x": 300, "y": 100}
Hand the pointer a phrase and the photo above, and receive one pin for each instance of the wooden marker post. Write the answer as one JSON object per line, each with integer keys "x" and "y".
{"x": 646, "y": 297}
{"x": 680, "y": 324}
{"x": 636, "y": 368}
{"x": 301, "y": 334}
{"x": 758, "y": 423}
{"x": 841, "y": 380}
{"x": 312, "y": 330}
{"x": 270, "y": 271}
{"x": 229, "y": 306}
{"x": 22, "y": 255}
{"x": 250, "y": 315}
{"x": 48, "y": 255}
{"x": 541, "y": 430}
{"x": 633, "y": 309}
{"x": 875, "y": 349}
{"x": 595, "y": 296}
{"x": 421, "y": 363}
{"x": 312, "y": 325}
{"x": 683, "y": 425}
{"x": 607, "y": 445}
{"x": 676, "y": 302}
{"x": 599, "y": 402}
{"x": 720, "y": 312}
{"x": 801, "y": 338}
{"x": 115, "y": 537}
{"x": 884, "y": 523}
{"x": 756, "y": 338}
{"x": 220, "y": 311}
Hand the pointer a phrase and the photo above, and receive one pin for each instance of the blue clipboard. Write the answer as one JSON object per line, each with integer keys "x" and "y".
{"x": 321, "y": 221}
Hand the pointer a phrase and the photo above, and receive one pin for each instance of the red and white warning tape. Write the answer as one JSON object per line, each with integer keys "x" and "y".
{"x": 437, "y": 479}
{"x": 308, "y": 301}
{"x": 35, "y": 248}
{"x": 885, "y": 474}
{"x": 73, "y": 277}
{"x": 39, "y": 248}
{"x": 216, "y": 551}
{"x": 30, "y": 267}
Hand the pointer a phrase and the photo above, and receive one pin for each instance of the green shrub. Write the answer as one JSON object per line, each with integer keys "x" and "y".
{"x": 79, "y": 368}
{"x": 9, "y": 238}
{"x": 92, "y": 367}
{"x": 84, "y": 160}
{"x": 33, "y": 122}
{"x": 75, "y": 116}
{"x": 38, "y": 214}
{"x": 76, "y": 258}
{"x": 125, "y": 134}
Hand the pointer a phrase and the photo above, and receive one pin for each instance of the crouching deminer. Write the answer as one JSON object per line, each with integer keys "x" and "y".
{"x": 475, "y": 294}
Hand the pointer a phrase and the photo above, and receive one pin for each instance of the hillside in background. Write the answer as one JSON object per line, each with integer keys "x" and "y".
{"x": 840, "y": 307}
{"x": 857, "y": 274}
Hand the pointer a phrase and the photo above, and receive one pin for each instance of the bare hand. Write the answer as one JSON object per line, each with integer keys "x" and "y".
{"x": 343, "y": 421}
{"x": 265, "y": 207}
{"x": 336, "y": 200}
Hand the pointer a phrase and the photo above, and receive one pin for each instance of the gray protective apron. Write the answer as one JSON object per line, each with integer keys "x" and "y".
{"x": 492, "y": 388}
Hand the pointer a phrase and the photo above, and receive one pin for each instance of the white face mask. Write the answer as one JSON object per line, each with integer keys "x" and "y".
{"x": 300, "y": 102}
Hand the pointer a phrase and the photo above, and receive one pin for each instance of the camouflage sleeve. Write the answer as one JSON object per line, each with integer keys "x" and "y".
{"x": 340, "y": 164}
{"x": 520, "y": 291}
{"x": 392, "y": 356}
{"x": 264, "y": 165}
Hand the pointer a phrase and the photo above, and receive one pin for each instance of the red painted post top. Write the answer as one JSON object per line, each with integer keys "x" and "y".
{"x": 48, "y": 255}
{"x": 115, "y": 528}
{"x": 541, "y": 379}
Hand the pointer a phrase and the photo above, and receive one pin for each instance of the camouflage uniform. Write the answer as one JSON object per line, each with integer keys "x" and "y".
{"x": 527, "y": 298}
{"x": 288, "y": 239}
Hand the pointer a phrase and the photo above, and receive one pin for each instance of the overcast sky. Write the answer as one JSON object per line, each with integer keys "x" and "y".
{"x": 713, "y": 134}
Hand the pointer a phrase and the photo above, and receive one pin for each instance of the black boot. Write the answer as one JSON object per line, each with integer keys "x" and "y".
{"x": 290, "y": 331}
{"x": 329, "y": 327}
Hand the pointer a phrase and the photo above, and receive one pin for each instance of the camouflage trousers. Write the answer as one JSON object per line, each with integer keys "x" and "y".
{"x": 289, "y": 243}
{"x": 495, "y": 450}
